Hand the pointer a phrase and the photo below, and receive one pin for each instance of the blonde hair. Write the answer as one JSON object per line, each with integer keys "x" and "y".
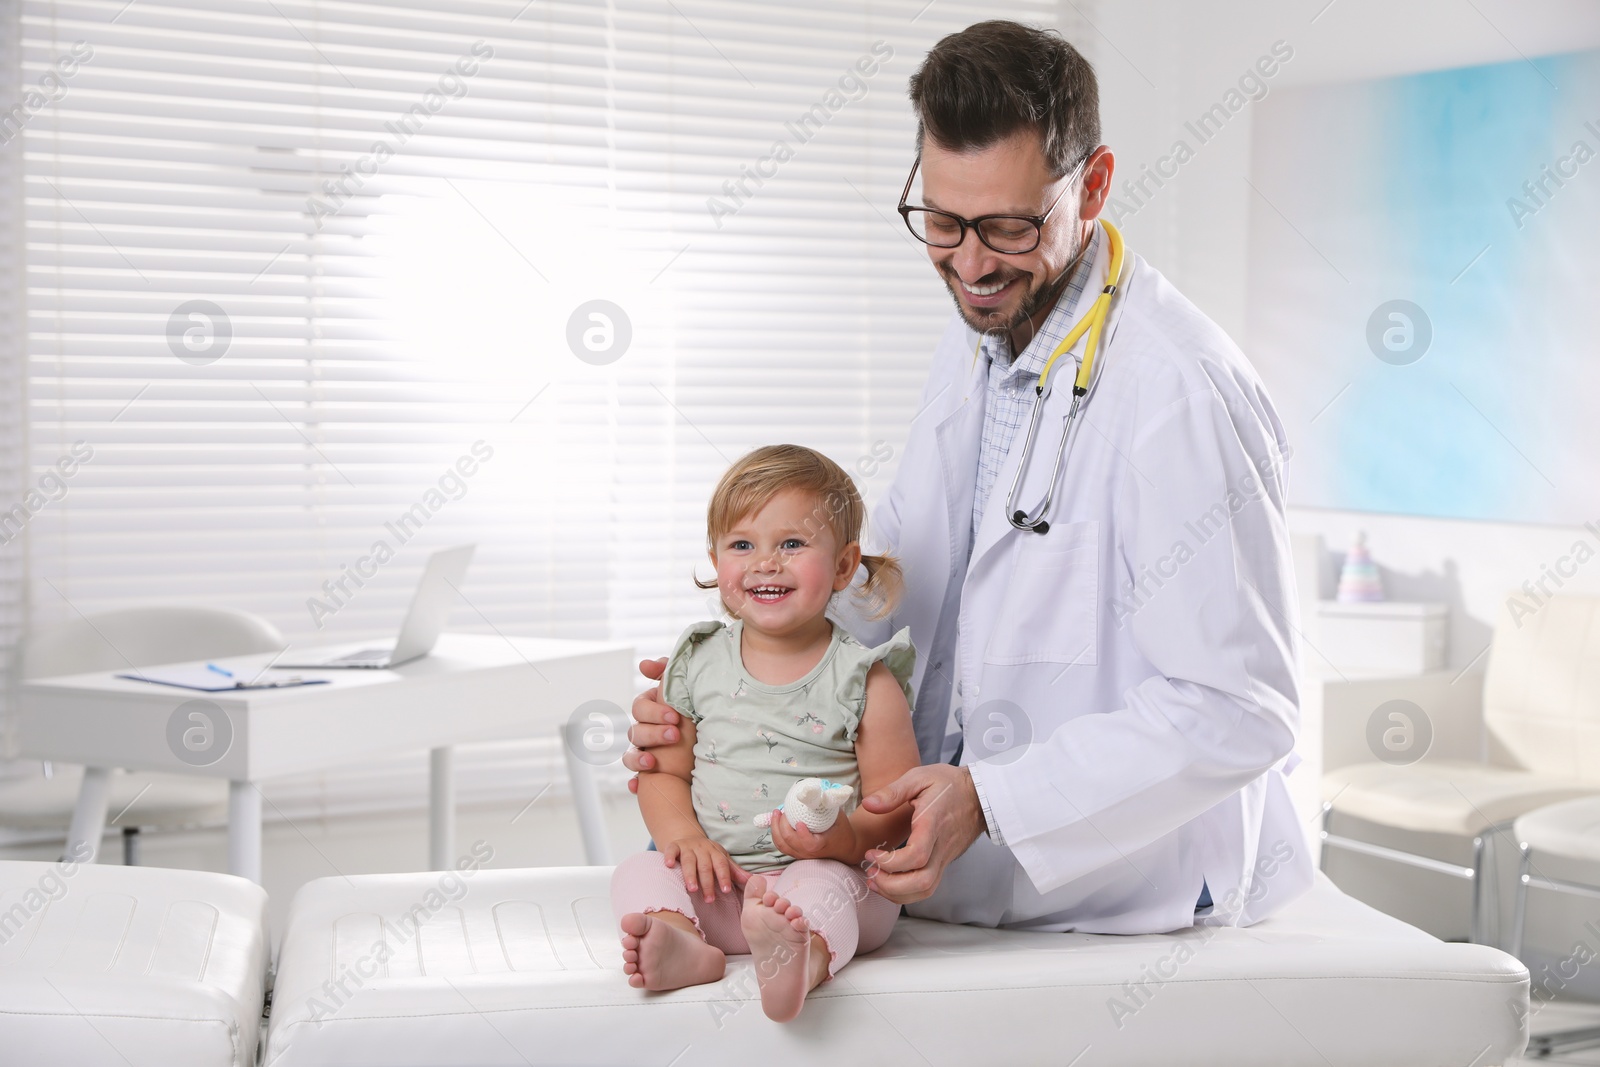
{"x": 751, "y": 483}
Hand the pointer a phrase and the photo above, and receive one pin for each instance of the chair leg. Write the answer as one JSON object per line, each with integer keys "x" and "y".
{"x": 1541, "y": 1045}
{"x": 1554, "y": 1041}
{"x": 1480, "y": 881}
{"x": 1520, "y": 917}
{"x": 130, "y": 846}
{"x": 1484, "y": 897}
{"x": 1327, "y": 822}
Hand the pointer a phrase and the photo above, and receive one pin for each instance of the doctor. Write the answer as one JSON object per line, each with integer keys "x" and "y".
{"x": 1106, "y": 702}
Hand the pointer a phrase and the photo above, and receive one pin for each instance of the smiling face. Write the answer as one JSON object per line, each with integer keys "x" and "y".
{"x": 993, "y": 290}
{"x": 778, "y": 566}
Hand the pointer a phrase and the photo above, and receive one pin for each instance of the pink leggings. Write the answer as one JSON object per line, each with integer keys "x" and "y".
{"x": 833, "y": 896}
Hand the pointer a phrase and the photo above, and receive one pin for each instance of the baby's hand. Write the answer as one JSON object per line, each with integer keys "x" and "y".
{"x": 706, "y": 866}
{"x": 837, "y": 842}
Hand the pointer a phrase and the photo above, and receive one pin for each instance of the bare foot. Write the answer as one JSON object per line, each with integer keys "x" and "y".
{"x": 781, "y": 946}
{"x": 663, "y": 950}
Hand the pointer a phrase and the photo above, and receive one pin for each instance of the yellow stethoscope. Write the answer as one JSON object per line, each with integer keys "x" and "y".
{"x": 1093, "y": 323}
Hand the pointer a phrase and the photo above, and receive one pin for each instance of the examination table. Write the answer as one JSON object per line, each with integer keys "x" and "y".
{"x": 143, "y": 967}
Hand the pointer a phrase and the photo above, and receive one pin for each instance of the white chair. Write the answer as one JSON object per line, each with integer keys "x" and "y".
{"x": 50, "y": 796}
{"x": 1570, "y": 831}
{"x": 1540, "y": 745}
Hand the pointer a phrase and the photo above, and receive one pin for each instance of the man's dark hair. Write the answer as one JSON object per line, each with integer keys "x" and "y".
{"x": 993, "y": 79}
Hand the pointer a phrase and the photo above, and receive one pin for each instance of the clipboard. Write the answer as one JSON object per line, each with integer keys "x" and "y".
{"x": 205, "y": 680}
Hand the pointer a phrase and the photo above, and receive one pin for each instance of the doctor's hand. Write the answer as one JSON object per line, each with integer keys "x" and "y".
{"x": 947, "y": 820}
{"x": 654, "y": 724}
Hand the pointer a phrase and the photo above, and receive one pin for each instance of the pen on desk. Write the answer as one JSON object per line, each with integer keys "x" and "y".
{"x": 220, "y": 670}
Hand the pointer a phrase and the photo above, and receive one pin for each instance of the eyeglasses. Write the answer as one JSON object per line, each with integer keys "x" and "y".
{"x": 1010, "y": 235}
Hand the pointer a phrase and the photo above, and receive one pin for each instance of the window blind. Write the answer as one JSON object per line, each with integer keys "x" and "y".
{"x": 524, "y": 274}
{"x": 13, "y": 430}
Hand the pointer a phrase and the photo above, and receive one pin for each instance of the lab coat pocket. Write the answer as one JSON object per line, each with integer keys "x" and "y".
{"x": 1051, "y": 608}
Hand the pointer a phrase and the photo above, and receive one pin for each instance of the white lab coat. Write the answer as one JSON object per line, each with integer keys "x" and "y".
{"x": 1148, "y": 639}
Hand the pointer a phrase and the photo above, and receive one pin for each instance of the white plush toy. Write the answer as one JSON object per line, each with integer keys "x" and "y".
{"x": 816, "y": 802}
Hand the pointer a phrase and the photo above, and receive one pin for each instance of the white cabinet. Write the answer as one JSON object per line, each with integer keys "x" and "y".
{"x": 1383, "y": 636}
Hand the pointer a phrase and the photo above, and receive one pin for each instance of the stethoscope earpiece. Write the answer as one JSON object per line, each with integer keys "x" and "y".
{"x": 1019, "y": 519}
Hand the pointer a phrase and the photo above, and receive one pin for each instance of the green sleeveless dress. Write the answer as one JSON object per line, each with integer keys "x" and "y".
{"x": 753, "y": 740}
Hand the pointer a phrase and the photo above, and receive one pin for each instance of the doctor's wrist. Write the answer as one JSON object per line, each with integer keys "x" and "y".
{"x": 990, "y": 827}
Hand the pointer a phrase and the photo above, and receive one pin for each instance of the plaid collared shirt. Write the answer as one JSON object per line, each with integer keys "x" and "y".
{"x": 1010, "y": 384}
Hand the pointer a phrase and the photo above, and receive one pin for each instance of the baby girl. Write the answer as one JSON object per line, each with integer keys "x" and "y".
{"x": 779, "y": 694}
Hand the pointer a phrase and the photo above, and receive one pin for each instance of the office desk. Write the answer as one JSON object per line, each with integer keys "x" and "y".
{"x": 471, "y": 688}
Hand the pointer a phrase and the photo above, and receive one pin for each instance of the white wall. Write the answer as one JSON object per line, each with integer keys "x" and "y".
{"x": 1162, "y": 62}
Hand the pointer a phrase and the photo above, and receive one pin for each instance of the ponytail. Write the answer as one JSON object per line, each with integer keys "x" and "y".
{"x": 883, "y": 587}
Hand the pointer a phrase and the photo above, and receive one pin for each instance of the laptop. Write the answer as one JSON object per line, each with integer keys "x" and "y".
{"x": 425, "y": 619}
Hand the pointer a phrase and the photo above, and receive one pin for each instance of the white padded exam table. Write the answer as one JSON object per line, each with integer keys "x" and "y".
{"x": 525, "y": 969}
{"x": 139, "y": 967}
{"x": 132, "y": 966}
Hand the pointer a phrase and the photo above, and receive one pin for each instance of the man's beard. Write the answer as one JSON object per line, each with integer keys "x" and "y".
{"x": 1036, "y": 300}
